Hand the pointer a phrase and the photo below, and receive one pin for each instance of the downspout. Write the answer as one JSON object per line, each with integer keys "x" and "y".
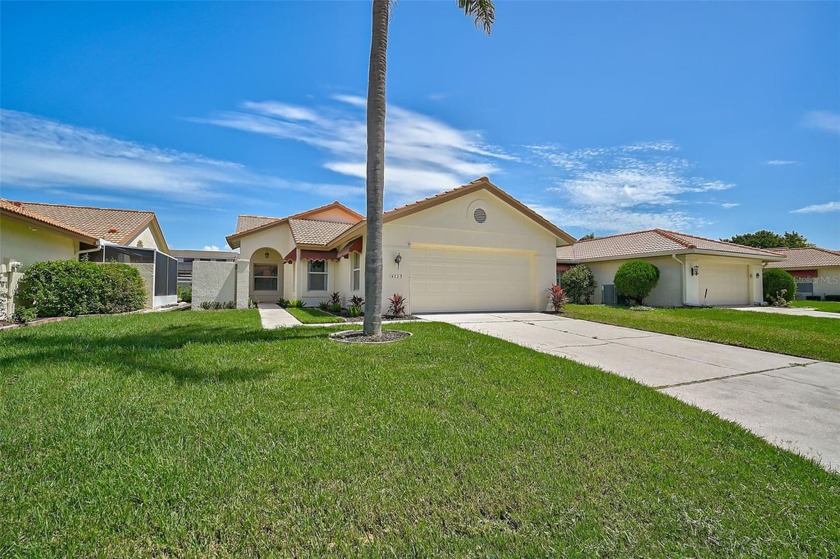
{"x": 682, "y": 283}
{"x": 88, "y": 250}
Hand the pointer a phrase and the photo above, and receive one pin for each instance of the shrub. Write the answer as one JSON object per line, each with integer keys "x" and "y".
{"x": 297, "y": 303}
{"x": 396, "y": 305}
{"x": 24, "y": 315}
{"x": 335, "y": 298}
{"x": 557, "y": 297}
{"x": 813, "y": 298}
{"x": 70, "y": 288}
{"x": 185, "y": 293}
{"x": 354, "y": 311}
{"x": 323, "y": 305}
{"x": 334, "y": 308}
{"x": 283, "y": 302}
{"x": 779, "y": 299}
{"x": 356, "y": 301}
{"x": 579, "y": 284}
{"x": 217, "y": 305}
{"x": 774, "y": 281}
{"x": 832, "y": 297}
{"x": 636, "y": 279}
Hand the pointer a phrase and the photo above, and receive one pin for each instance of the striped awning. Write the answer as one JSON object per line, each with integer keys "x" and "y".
{"x": 353, "y": 246}
{"x": 307, "y": 254}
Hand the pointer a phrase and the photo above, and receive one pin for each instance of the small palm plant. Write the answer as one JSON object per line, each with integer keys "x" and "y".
{"x": 397, "y": 305}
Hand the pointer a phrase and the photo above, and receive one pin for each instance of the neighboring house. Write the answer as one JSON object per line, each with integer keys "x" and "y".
{"x": 33, "y": 232}
{"x": 473, "y": 248}
{"x": 693, "y": 270}
{"x": 187, "y": 257}
{"x": 816, "y": 270}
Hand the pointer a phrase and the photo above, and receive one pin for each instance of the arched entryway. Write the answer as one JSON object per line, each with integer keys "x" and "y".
{"x": 266, "y": 275}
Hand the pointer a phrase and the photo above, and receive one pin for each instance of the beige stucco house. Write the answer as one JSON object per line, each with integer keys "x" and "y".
{"x": 473, "y": 248}
{"x": 816, "y": 270}
{"x": 33, "y": 232}
{"x": 694, "y": 271}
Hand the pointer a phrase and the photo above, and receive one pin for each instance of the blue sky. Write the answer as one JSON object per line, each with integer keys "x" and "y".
{"x": 710, "y": 118}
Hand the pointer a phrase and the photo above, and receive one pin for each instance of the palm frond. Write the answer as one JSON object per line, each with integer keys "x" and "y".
{"x": 483, "y": 11}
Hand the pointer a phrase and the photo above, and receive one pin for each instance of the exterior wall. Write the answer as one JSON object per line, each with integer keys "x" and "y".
{"x": 451, "y": 224}
{"x": 243, "y": 283}
{"x": 213, "y": 282}
{"x": 333, "y": 214}
{"x": 20, "y": 243}
{"x": 147, "y": 238}
{"x": 827, "y": 282}
{"x": 667, "y": 293}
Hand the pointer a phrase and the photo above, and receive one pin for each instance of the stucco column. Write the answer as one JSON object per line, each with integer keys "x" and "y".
{"x": 243, "y": 283}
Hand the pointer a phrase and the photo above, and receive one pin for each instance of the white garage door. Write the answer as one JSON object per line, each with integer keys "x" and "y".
{"x": 462, "y": 280}
{"x": 726, "y": 285}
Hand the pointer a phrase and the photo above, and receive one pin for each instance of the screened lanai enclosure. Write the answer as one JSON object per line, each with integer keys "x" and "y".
{"x": 158, "y": 270}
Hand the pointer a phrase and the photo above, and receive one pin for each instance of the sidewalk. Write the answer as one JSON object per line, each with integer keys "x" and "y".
{"x": 273, "y": 316}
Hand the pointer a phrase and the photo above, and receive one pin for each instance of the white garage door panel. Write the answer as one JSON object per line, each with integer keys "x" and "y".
{"x": 727, "y": 285}
{"x": 459, "y": 280}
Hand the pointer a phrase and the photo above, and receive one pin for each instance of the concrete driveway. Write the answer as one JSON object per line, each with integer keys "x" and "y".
{"x": 793, "y": 403}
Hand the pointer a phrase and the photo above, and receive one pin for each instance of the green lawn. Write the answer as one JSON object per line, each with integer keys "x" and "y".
{"x": 803, "y": 336}
{"x": 201, "y": 435}
{"x": 827, "y": 306}
{"x": 313, "y": 316}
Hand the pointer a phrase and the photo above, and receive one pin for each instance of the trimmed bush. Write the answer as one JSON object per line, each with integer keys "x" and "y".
{"x": 579, "y": 284}
{"x": 71, "y": 288}
{"x": 832, "y": 297}
{"x": 813, "y": 298}
{"x": 636, "y": 279}
{"x": 185, "y": 293}
{"x": 775, "y": 280}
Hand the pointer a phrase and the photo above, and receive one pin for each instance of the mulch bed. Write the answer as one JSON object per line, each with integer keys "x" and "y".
{"x": 359, "y": 337}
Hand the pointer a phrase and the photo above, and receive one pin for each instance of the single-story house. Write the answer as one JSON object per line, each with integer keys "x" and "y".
{"x": 33, "y": 232}
{"x": 186, "y": 258}
{"x": 473, "y": 248}
{"x": 816, "y": 270}
{"x": 694, "y": 271}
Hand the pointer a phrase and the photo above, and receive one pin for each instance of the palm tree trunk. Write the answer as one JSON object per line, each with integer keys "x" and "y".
{"x": 375, "y": 167}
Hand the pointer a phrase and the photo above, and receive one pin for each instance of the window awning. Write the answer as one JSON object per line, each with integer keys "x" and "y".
{"x": 563, "y": 267}
{"x": 311, "y": 255}
{"x": 353, "y": 246}
{"x": 803, "y": 273}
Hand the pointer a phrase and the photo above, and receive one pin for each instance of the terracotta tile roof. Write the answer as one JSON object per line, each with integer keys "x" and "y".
{"x": 797, "y": 258}
{"x": 316, "y": 232}
{"x": 18, "y": 209}
{"x": 248, "y": 222}
{"x": 653, "y": 241}
{"x": 114, "y": 225}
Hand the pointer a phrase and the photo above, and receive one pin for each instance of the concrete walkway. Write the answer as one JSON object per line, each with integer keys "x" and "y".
{"x": 273, "y": 316}
{"x": 793, "y": 403}
{"x": 791, "y": 311}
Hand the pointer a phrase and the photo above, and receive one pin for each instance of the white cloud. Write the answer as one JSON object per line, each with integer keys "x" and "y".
{"x": 41, "y": 153}
{"x": 780, "y": 162}
{"x": 211, "y": 247}
{"x": 424, "y": 155}
{"x": 729, "y": 205}
{"x": 619, "y": 220}
{"x": 826, "y": 121}
{"x": 626, "y": 187}
{"x": 819, "y": 208}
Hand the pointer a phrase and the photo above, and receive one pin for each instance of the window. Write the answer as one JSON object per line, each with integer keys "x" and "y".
{"x": 317, "y": 275}
{"x": 265, "y": 277}
{"x": 356, "y": 265}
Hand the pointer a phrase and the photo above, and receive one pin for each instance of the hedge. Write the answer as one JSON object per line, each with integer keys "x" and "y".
{"x": 775, "y": 280}
{"x": 70, "y": 288}
{"x": 579, "y": 284}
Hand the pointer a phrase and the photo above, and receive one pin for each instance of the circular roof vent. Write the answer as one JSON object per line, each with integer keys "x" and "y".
{"x": 480, "y": 215}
